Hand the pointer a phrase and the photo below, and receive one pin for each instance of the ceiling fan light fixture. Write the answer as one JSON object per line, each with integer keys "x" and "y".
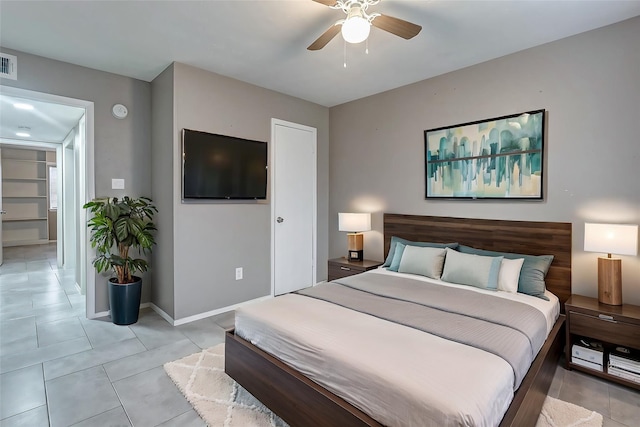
{"x": 355, "y": 29}
{"x": 356, "y": 26}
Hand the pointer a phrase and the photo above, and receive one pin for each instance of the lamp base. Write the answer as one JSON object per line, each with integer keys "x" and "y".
{"x": 610, "y": 281}
{"x": 355, "y": 245}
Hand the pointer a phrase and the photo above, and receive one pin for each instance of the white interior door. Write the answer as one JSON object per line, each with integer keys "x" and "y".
{"x": 293, "y": 206}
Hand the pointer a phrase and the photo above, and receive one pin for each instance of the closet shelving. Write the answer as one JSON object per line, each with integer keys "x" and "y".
{"x": 24, "y": 196}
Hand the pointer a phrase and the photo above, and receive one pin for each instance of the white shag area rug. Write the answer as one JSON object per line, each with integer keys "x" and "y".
{"x": 557, "y": 413}
{"x": 218, "y": 399}
{"x": 221, "y": 402}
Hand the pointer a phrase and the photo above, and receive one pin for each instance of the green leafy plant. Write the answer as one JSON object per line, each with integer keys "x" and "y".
{"x": 121, "y": 224}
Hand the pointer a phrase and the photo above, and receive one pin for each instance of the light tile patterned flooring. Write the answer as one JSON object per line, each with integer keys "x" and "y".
{"x": 58, "y": 368}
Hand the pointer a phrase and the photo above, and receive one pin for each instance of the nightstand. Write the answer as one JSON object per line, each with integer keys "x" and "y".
{"x": 342, "y": 267}
{"x": 611, "y": 325}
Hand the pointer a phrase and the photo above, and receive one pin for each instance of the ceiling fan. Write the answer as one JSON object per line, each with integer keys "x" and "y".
{"x": 356, "y": 26}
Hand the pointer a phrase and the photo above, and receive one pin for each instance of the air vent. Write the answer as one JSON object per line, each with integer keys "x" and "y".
{"x": 8, "y": 66}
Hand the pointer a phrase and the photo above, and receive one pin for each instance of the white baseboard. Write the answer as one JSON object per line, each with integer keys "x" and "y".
{"x": 162, "y": 313}
{"x": 193, "y": 318}
{"x": 206, "y": 314}
{"x": 101, "y": 314}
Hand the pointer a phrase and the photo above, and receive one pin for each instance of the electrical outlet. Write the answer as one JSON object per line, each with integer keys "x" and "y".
{"x": 239, "y": 273}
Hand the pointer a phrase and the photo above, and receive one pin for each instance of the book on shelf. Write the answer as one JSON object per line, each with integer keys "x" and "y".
{"x": 626, "y": 359}
{"x": 622, "y": 373}
{"x": 622, "y": 364}
{"x": 586, "y": 364}
{"x": 588, "y": 351}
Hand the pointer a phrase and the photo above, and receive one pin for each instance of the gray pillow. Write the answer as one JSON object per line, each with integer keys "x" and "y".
{"x": 534, "y": 269}
{"x": 394, "y": 240}
{"x": 473, "y": 270}
{"x": 424, "y": 261}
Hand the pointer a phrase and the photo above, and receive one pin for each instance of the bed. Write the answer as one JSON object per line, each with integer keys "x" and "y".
{"x": 303, "y": 402}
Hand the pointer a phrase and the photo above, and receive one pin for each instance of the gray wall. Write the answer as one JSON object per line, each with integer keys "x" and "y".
{"x": 162, "y": 131}
{"x": 199, "y": 246}
{"x": 590, "y": 86}
{"x": 212, "y": 239}
{"x": 121, "y": 146}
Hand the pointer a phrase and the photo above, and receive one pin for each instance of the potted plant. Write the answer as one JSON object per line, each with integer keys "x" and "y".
{"x": 117, "y": 226}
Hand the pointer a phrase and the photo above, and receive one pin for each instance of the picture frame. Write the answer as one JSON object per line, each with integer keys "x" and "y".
{"x": 498, "y": 158}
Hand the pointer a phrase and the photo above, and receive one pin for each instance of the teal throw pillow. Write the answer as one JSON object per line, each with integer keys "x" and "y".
{"x": 397, "y": 257}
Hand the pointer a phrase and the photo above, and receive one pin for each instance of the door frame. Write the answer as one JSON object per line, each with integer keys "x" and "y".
{"x": 2, "y": 210}
{"x": 272, "y": 195}
{"x": 86, "y": 182}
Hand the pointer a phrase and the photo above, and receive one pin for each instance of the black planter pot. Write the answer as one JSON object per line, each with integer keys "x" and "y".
{"x": 124, "y": 301}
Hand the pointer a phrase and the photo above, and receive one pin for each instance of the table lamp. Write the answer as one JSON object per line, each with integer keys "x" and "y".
{"x": 354, "y": 224}
{"x": 610, "y": 239}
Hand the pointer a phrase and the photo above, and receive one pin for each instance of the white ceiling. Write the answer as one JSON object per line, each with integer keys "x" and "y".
{"x": 264, "y": 42}
{"x": 46, "y": 122}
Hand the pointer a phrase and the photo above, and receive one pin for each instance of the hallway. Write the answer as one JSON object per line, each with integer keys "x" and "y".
{"x": 31, "y": 286}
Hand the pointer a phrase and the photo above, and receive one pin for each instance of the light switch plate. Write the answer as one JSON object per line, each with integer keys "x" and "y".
{"x": 117, "y": 184}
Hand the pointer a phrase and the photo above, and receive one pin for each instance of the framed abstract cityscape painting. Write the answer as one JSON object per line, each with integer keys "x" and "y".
{"x": 499, "y": 158}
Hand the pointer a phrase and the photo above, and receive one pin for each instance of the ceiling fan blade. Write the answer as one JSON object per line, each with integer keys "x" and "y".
{"x": 325, "y": 38}
{"x": 396, "y": 26}
{"x": 326, "y": 2}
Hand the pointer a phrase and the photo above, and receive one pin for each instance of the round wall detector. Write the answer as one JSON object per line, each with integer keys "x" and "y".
{"x": 119, "y": 111}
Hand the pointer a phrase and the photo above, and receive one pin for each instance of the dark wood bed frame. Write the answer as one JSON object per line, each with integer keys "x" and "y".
{"x": 301, "y": 402}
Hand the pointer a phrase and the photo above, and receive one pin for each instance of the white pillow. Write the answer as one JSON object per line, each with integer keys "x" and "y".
{"x": 509, "y": 274}
{"x": 424, "y": 261}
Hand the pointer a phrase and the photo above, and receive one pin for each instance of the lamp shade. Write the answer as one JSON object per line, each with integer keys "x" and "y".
{"x": 354, "y": 222}
{"x": 611, "y": 238}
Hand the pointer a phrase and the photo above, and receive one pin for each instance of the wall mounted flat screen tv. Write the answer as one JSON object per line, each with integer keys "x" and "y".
{"x": 223, "y": 167}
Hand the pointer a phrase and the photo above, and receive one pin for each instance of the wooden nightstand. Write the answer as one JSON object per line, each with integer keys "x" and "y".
{"x": 342, "y": 267}
{"x": 611, "y": 325}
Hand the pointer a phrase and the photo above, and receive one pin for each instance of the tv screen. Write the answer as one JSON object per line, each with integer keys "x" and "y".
{"x": 223, "y": 167}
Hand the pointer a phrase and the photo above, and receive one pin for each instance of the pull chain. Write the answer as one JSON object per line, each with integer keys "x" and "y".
{"x": 366, "y": 47}
{"x": 345, "y": 54}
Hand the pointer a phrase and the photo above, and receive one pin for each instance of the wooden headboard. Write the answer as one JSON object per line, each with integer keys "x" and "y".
{"x": 525, "y": 237}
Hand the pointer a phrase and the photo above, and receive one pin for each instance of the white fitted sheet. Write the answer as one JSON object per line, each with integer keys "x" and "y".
{"x": 398, "y": 375}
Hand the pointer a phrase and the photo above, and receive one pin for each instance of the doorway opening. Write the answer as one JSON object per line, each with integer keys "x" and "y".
{"x": 75, "y": 181}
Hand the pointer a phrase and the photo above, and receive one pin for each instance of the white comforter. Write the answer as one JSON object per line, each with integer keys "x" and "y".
{"x": 398, "y": 375}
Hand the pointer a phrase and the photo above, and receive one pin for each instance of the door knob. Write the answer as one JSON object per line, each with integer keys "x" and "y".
{"x": 279, "y": 219}
{"x": 3, "y": 212}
